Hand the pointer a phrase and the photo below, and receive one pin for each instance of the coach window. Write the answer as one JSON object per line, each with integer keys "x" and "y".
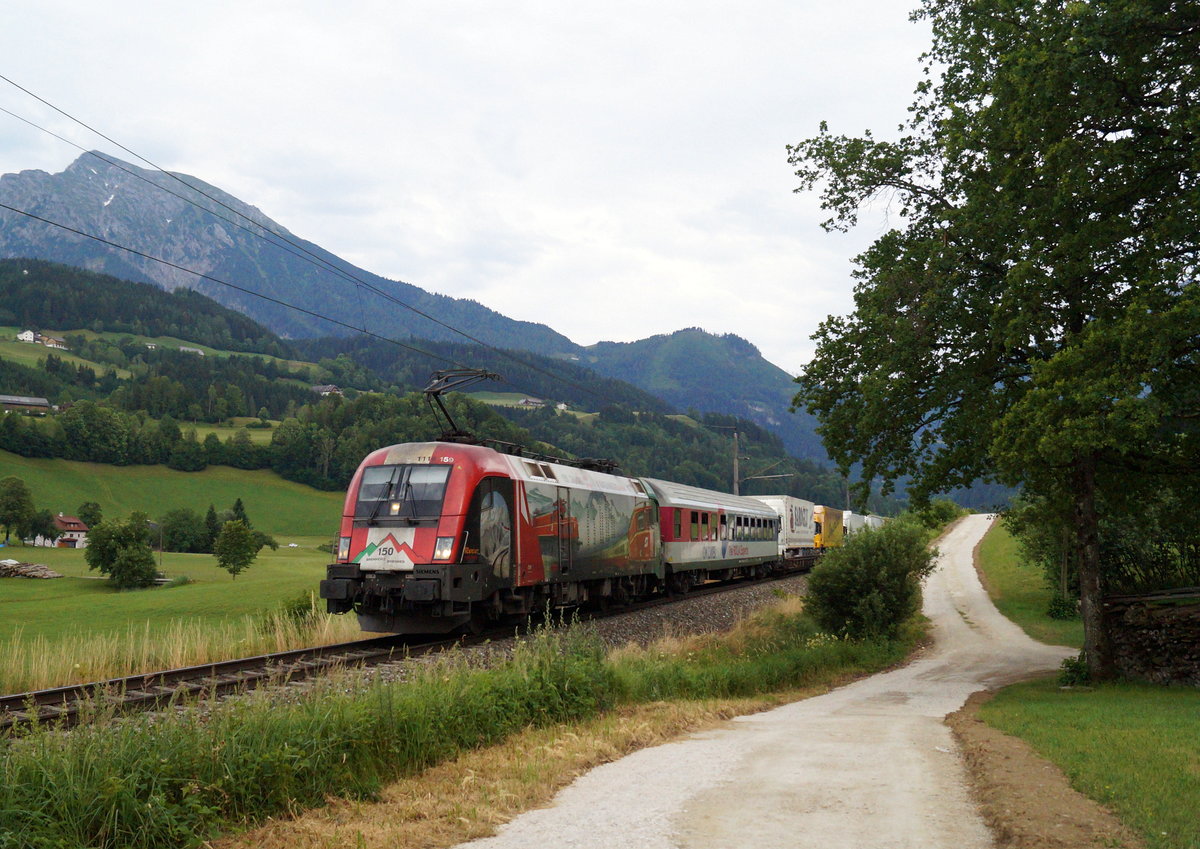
{"x": 704, "y": 529}
{"x": 724, "y": 527}
{"x": 678, "y": 514}
{"x": 695, "y": 525}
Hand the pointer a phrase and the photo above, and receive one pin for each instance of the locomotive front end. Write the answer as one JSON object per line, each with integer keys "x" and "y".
{"x": 403, "y": 563}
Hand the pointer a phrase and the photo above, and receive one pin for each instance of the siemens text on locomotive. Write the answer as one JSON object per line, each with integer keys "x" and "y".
{"x": 440, "y": 535}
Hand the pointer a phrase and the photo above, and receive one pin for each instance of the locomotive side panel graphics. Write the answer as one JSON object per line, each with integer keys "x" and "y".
{"x": 488, "y": 536}
{"x": 587, "y": 533}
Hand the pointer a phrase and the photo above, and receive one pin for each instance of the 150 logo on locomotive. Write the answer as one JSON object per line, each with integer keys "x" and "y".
{"x": 441, "y": 535}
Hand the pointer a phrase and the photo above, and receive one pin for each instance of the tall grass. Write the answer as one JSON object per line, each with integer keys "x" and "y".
{"x": 178, "y": 779}
{"x": 39, "y": 662}
{"x": 773, "y": 649}
{"x": 175, "y": 781}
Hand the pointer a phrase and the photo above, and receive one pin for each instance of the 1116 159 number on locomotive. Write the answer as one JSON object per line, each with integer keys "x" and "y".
{"x": 440, "y": 535}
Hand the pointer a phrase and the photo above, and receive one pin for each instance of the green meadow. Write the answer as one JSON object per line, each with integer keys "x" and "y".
{"x": 1133, "y": 747}
{"x": 9, "y": 332}
{"x": 83, "y": 601}
{"x": 32, "y": 355}
{"x": 274, "y": 505}
{"x": 77, "y": 628}
{"x": 258, "y": 435}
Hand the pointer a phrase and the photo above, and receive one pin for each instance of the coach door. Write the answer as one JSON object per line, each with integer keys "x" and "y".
{"x": 566, "y": 536}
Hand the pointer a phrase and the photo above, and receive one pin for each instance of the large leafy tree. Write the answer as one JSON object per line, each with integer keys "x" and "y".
{"x": 236, "y": 547}
{"x": 16, "y": 506}
{"x": 1036, "y": 319}
{"x": 121, "y": 550}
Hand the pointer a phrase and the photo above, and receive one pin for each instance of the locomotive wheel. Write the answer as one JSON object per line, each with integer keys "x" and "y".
{"x": 478, "y": 622}
{"x": 679, "y": 583}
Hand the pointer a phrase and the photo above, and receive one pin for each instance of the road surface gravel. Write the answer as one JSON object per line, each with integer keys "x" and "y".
{"x": 869, "y": 765}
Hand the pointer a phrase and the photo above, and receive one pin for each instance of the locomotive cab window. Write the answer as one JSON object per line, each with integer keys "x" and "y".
{"x": 401, "y": 493}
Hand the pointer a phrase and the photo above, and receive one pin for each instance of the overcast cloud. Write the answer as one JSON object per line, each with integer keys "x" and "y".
{"x": 613, "y": 170}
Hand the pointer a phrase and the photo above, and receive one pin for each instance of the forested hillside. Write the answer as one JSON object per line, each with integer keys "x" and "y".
{"x": 36, "y": 294}
{"x": 127, "y": 401}
{"x": 531, "y": 374}
{"x": 693, "y": 369}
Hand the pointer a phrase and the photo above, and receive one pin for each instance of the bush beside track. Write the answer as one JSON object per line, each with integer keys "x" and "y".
{"x": 201, "y": 770}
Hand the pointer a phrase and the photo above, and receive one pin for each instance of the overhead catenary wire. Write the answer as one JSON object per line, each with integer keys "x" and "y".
{"x": 305, "y": 254}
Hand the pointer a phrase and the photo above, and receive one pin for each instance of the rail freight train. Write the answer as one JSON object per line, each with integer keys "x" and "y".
{"x": 438, "y": 536}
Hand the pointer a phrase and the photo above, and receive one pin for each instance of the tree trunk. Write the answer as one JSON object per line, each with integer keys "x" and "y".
{"x": 1096, "y": 644}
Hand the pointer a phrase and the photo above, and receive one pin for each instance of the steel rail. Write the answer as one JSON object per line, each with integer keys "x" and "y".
{"x": 63, "y": 705}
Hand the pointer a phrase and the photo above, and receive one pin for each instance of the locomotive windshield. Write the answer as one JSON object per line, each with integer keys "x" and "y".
{"x": 405, "y": 492}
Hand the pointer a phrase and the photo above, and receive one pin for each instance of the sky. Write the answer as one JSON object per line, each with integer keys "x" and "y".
{"x": 614, "y": 170}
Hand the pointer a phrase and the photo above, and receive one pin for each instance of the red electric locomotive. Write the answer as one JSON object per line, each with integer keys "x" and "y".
{"x": 440, "y": 535}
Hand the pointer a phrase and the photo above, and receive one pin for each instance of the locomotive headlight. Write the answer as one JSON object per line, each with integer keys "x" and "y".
{"x": 344, "y": 548}
{"x": 444, "y": 548}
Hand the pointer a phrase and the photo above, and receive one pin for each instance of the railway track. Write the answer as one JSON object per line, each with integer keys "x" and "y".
{"x": 69, "y": 705}
{"x": 65, "y": 705}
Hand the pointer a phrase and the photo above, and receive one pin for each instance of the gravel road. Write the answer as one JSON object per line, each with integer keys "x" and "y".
{"x": 868, "y": 765}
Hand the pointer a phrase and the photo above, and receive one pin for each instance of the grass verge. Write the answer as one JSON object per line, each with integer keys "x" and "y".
{"x": 78, "y": 628}
{"x": 1131, "y": 747}
{"x": 1020, "y": 591}
{"x": 39, "y": 662}
{"x": 189, "y": 774}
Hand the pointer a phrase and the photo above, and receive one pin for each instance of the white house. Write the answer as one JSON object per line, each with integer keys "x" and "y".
{"x": 70, "y": 532}
{"x": 27, "y": 336}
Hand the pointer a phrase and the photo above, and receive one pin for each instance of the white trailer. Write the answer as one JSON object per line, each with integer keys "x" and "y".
{"x": 796, "y": 528}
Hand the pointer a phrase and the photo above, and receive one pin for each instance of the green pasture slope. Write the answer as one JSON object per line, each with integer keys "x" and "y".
{"x": 274, "y": 505}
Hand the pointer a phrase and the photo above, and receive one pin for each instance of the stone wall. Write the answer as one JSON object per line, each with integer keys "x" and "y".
{"x": 1156, "y": 639}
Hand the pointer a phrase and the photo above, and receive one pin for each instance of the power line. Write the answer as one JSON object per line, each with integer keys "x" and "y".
{"x": 316, "y": 260}
{"x": 142, "y": 254}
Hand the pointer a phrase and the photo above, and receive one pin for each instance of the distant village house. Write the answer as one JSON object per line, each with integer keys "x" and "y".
{"x": 35, "y": 337}
{"x": 326, "y": 389}
{"x": 25, "y": 404}
{"x": 70, "y": 532}
{"x": 185, "y": 349}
